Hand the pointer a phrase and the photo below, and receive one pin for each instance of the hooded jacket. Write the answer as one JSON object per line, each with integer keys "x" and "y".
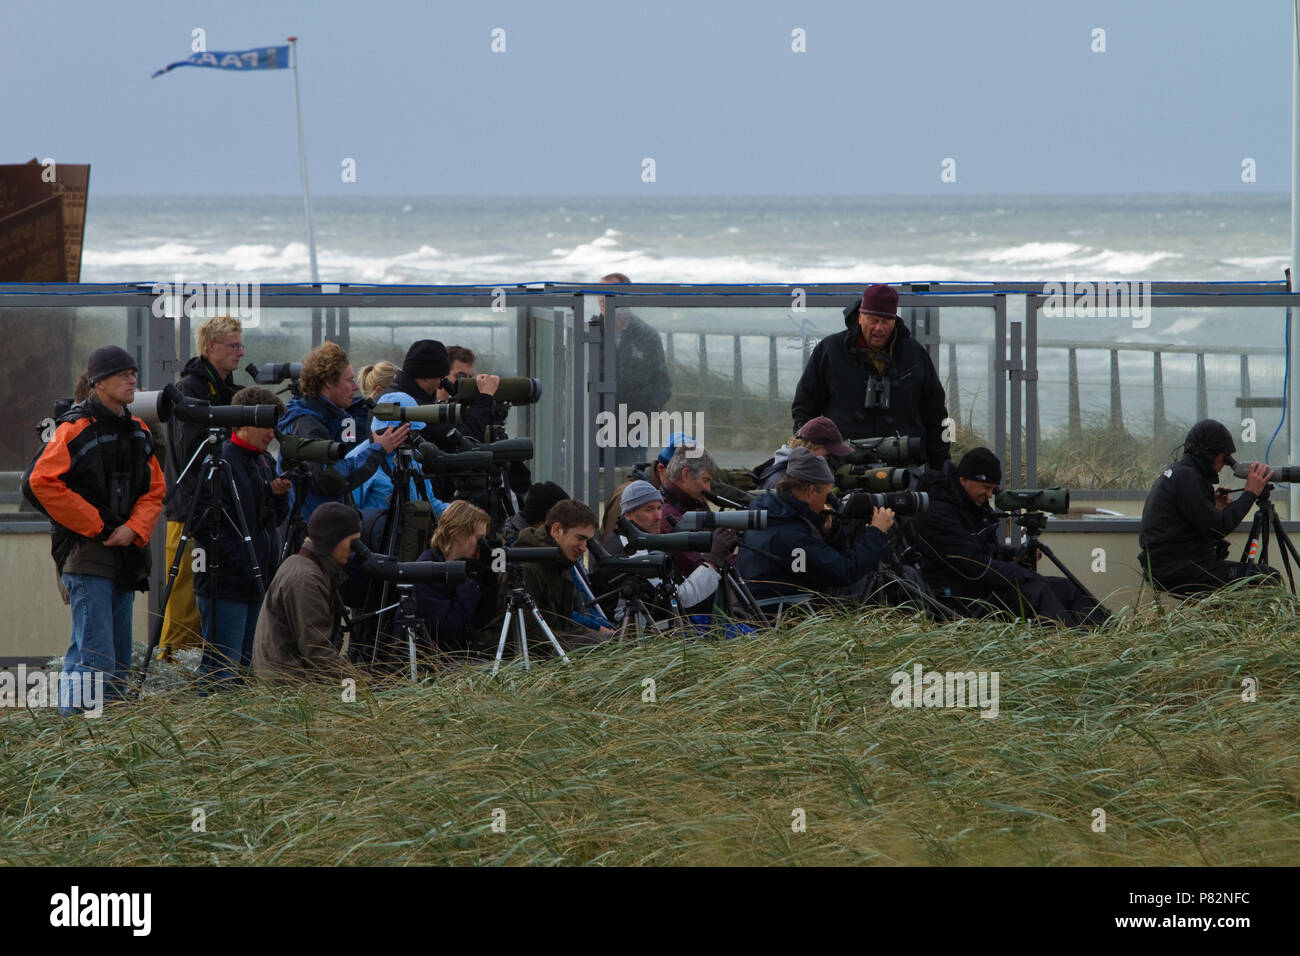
{"x": 958, "y": 541}
{"x": 198, "y": 380}
{"x": 834, "y": 384}
{"x": 457, "y": 614}
{"x": 791, "y": 524}
{"x": 1181, "y": 528}
{"x": 318, "y": 417}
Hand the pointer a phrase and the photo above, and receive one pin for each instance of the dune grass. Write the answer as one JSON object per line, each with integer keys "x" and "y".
{"x": 1143, "y": 719}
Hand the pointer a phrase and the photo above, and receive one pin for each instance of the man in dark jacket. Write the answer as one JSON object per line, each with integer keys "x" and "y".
{"x": 98, "y": 480}
{"x": 228, "y": 590}
{"x": 641, "y": 379}
{"x": 965, "y": 564}
{"x": 688, "y": 477}
{"x": 1185, "y": 523}
{"x": 792, "y": 555}
{"x": 328, "y": 384}
{"x": 874, "y": 379}
{"x": 209, "y": 377}
{"x": 298, "y": 629}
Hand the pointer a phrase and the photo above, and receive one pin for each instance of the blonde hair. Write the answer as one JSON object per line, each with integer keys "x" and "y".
{"x": 460, "y": 518}
{"x": 219, "y": 326}
{"x": 322, "y": 366}
{"x": 378, "y": 377}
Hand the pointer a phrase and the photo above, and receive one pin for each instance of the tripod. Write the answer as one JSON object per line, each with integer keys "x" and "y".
{"x": 519, "y": 600}
{"x": 1032, "y": 524}
{"x": 408, "y": 620}
{"x": 634, "y": 590}
{"x": 220, "y": 482}
{"x": 404, "y": 476}
{"x": 1256, "y": 549}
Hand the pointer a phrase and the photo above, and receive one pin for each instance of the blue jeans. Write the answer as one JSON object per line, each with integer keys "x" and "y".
{"x": 231, "y": 647}
{"x": 101, "y": 637}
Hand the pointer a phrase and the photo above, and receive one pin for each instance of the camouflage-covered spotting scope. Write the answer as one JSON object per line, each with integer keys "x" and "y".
{"x": 1052, "y": 500}
{"x": 880, "y": 465}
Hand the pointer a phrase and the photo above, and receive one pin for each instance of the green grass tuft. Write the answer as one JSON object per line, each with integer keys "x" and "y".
{"x": 1143, "y": 719}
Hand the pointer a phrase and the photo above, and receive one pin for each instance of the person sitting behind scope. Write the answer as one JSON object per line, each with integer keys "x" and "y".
{"x": 687, "y": 478}
{"x": 643, "y": 505}
{"x": 541, "y": 497}
{"x": 792, "y": 555}
{"x": 458, "y": 614}
{"x": 1186, "y": 523}
{"x": 962, "y": 558}
{"x": 819, "y": 435}
{"x": 299, "y": 628}
{"x": 554, "y": 584}
{"x": 234, "y": 594}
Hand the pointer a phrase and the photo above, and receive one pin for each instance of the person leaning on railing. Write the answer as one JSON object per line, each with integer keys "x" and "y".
{"x": 99, "y": 481}
{"x": 792, "y": 555}
{"x": 1186, "y": 523}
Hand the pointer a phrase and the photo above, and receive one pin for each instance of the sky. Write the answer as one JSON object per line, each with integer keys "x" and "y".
{"x": 1013, "y": 94}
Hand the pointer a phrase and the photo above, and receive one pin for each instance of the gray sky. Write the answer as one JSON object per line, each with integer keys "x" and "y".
{"x": 710, "y": 89}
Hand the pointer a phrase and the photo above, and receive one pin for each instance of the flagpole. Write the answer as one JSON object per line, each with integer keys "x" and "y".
{"x": 302, "y": 162}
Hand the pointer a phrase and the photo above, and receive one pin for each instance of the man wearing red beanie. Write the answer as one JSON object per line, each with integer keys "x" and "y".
{"x": 875, "y": 379}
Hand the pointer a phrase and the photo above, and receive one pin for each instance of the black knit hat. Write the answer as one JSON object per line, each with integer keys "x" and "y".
{"x": 1208, "y": 438}
{"x": 540, "y": 498}
{"x": 980, "y": 464}
{"x": 108, "y": 360}
{"x": 329, "y": 524}
{"x": 426, "y": 358}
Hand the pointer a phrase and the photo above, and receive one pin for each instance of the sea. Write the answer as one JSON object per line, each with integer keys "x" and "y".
{"x": 779, "y": 239}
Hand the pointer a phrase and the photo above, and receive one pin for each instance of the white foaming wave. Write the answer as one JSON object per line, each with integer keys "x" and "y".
{"x": 1029, "y": 252}
{"x": 1110, "y": 262}
{"x": 1270, "y": 263}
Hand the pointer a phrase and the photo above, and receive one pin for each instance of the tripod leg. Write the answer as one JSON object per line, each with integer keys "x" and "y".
{"x": 501, "y": 643}
{"x": 523, "y": 638}
{"x": 1069, "y": 576}
{"x": 1287, "y": 548}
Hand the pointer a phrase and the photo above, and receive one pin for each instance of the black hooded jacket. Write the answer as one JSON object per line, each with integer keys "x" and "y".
{"x": 1181, "y": 527}
{"x": 834, "y": 384}
{"x": 958, "y": 541}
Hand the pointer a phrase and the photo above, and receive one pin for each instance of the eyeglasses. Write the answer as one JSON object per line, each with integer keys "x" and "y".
{"x": 233, "y": 346}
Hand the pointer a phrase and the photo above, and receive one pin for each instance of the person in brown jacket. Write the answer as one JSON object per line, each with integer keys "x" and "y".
{"x": 294, "y": 640}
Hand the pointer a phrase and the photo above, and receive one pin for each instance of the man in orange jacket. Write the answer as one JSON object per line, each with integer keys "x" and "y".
{"x": 101, "y": 485}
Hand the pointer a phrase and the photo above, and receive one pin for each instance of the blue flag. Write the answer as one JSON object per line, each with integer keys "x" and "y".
{"x": 241, "y": 61}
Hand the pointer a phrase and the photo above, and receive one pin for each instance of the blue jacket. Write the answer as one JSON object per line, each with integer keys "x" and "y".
{"x": 320, "y": 418}
{"x": 791, "y": 524}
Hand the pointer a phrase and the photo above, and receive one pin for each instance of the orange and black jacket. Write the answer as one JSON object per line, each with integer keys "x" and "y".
{"x": 96, "y": 473}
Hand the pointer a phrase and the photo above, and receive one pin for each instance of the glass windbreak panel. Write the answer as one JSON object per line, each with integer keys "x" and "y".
{"x": 739, "y": 368}
{"x": 729, "y": 374}
{"x": 377, "y": 334}
{"x": 1117, "y": 394}
{"x": 48, "y": 349}
{"x": 966, "y": 361}
{"x": 550, "y": 360}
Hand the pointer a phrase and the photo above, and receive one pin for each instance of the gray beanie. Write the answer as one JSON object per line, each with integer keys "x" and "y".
{"x": 808, "y": 469}
{"x": 637, "y": 494}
